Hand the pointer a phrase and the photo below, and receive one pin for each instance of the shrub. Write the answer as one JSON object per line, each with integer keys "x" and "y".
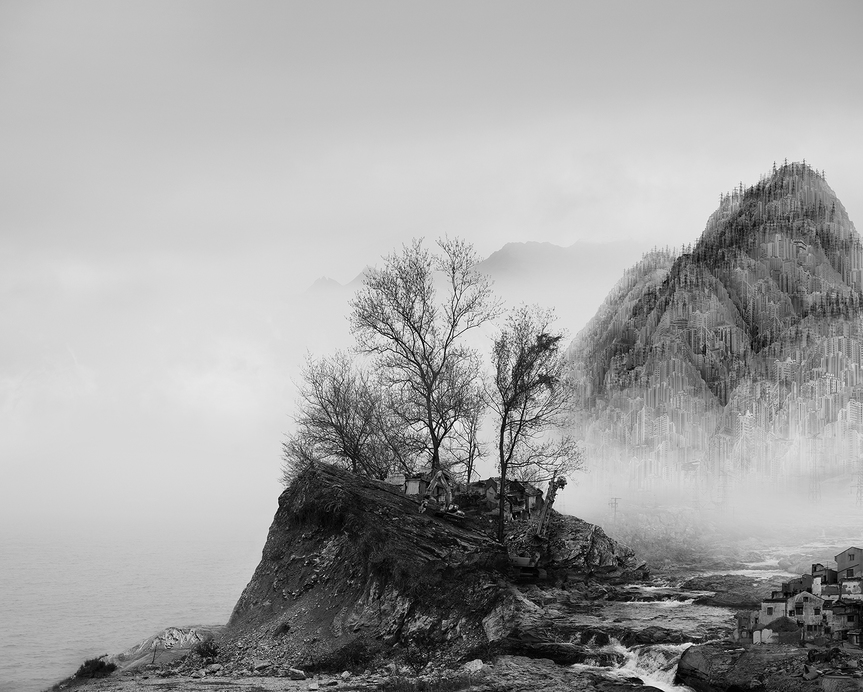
{"x": 96, "y": 668}
{"x": 207, "y": 648}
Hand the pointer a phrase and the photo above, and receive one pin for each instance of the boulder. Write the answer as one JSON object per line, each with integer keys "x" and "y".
{"x": 474, "y": 666}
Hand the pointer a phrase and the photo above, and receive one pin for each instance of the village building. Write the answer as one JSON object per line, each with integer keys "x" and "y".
{"x": 783, "y": 630}
{"x": 825, "y": 581}
{"x": 849, "y": 563}
{"x": 850, "y": 589}
{"x": 826, "y": 603}
{"x": 807, "y": 610}
{"x": 523, "y": 500}
{"x": 824, "y": 574}
{"x": 416, "y": 486}
{"x": 844, "y": 617}
{"x": 772, "y": 609}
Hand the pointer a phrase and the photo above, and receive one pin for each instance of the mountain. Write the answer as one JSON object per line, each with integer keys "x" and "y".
{"x": 573, "y": 280}
{"x": 736, "y": 364}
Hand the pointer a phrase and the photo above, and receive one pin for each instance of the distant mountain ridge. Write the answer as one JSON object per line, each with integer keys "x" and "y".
{"x": 738, "y": 361}
{"x": 572, "y": 279}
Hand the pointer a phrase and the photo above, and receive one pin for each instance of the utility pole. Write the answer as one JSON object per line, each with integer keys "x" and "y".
{"x": 613, "y": 504}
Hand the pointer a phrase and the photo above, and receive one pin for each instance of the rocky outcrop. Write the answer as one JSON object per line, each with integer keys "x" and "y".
{"x": 350, "y": 562}
{"x": 727, "y": 667}
{"x": 166, "y": 646}
{"x": 351, "y": 569}
{"x": 575, "y": 550}
{"x": 731, "y": 590}
{"x": 583, "y": 549}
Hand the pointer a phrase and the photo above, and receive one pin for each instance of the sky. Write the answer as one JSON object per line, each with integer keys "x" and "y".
{"x": 175, "y": 175}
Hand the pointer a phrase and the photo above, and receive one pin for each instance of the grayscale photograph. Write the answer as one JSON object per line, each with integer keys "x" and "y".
{"x": 428, "y": 346}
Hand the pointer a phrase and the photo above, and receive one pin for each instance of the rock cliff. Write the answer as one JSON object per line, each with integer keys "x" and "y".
{"x": 351, "y": 570}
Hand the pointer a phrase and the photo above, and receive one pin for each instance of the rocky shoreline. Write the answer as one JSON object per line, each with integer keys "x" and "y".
{"x": 357, "y": 590}
{"x": 542, "y": 637}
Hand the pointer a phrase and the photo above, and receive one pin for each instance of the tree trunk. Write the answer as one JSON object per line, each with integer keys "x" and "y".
{"x": 502, "y": 486}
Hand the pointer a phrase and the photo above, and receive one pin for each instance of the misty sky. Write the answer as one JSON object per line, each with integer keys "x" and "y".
{"x": 174, "y": 175}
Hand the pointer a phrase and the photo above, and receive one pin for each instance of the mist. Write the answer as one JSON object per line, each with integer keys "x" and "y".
{"x": 175, "y": 177}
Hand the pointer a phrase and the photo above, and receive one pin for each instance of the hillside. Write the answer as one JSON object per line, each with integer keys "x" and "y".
{"x": 738, "y": 362}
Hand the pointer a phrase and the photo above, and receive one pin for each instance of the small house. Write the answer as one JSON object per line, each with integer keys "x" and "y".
{"x": 532, "y": 498}
{"x": 415, "y": 486}
{"x": 807, "y": 610}
{"x": 825, "y": 574}
{"x": 476, "y": 488}
{"x": 772, "y": 609}
{"x": 844, "y": 616}
{"x": 398, "y": 480}
{"x": 802, "y": 583}
{"x": 849, "y": 563}
{"x": 783, "y": 630}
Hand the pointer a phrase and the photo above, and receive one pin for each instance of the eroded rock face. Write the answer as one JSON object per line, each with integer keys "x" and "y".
{"x": 350, "y": 562}
{"x": 584, "y": 548}
{"x": 351, "y": 558}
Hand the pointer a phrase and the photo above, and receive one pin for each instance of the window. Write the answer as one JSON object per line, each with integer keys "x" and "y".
{"x": 850, "y": 557}
{"x": 849, "y": 617}
{"x": 806, "y": 599}
{"x": 770, "y": 610}
{"x": 818, "y": 611}
{"x": 798, "y": 610}
{"x": 849, "y": 573}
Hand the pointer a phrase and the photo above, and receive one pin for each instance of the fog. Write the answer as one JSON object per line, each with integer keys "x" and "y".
{"x": 176, "y": 176}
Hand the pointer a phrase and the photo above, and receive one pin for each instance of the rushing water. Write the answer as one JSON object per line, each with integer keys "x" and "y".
{"x": 654, "y": 665}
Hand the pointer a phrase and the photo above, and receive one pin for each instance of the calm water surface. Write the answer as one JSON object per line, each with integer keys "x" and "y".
{"x": 67, "y": 598}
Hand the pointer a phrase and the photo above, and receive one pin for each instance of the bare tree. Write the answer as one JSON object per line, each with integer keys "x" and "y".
{"x": 338, "y": 407}
{"x": 529, "y": 397}
{"x": 297, "y": 455}
{"x": 345, "y": 417}
{"x": 418, "y": 340}
{"x": 464, "y": 447}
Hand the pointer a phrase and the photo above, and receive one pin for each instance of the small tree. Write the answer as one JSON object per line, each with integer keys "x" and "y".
{"x": 465, "y": 447}
{"x": 345, "y": 418}
{"x": 529, "y": 396}
{"x": 417, "y": 339}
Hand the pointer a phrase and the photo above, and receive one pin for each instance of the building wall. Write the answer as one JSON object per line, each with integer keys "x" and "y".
{"x": 849, "y": 563}
{"x": 808, "y": 611}
{"x": 851, "y": 590}
{"x": 770, "y": 610}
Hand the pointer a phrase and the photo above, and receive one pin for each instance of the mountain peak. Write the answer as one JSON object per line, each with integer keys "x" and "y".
{"x": 724, "y": 362}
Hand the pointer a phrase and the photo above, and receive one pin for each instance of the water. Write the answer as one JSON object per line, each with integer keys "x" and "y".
{"x": 67, "y": 598}
{"x": 654, "y": 665}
